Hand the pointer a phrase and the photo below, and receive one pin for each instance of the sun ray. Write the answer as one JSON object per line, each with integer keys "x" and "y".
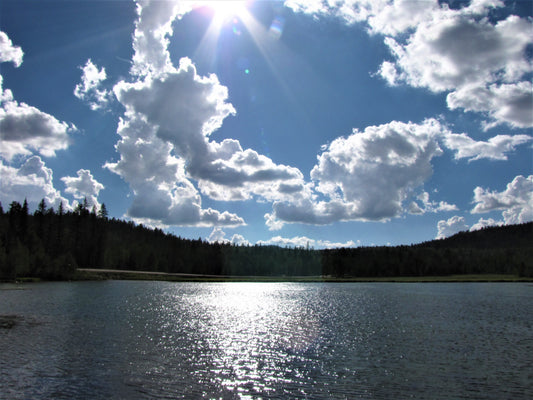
{"x": 225, "y": 10}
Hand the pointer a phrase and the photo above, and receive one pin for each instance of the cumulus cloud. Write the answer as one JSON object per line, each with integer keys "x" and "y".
{"x": 32, "y": 181}
{"x": 172, "y": 113}
{"x": 423, "y": 205}
{"x": 515, "y": 202}
{"x": 184, "y": 110}
{"x": 480, "y": 61}
{"x": 169, "y": 114}
{"x": 482, "y": 64}
{"x": 239, "y": 240}
{"x": 496, "y": 148}
{"x": 151, "y": 36}
{"x": 89, "y": 88}
{"x": 167, "y": 153}
{"x": 9, "y": 52}
{"x": 163, "y": 194}
{"x": 219, "y": 236}
{"x": 484, "y": 223}
{"x": 454, "y": 49}
{"x": 367, "y": 175}
{"x": 511, "y": 103}
{"x": 381, "y": 16}
{"x": 451, "y": 226}
{"x": 375, "y": 169}
{"x": 84, "y": 186}
{"x": 25, "y": 129}
{"x": 170, "y": 157}
{"x": 305, "y": 242}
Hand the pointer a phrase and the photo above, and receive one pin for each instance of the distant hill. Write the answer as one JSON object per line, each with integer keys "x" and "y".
{"x": 494, "y": 237}
{"x": 493, "y": 250}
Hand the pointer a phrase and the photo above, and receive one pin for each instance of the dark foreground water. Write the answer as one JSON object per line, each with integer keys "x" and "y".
{"x": 158, "y": 340}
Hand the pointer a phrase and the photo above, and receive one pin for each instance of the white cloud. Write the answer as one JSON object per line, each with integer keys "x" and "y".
{"x": 382, "y": 16}
{"x": 8, "y": 52}
{"x": 166, "y": 131}
{"x": 32, "y": 181}
{"x": 484, "y": 223}
{"x": 515, "y": 202}
{"x": 151, "y": 37}
{"x": 239, "y": 240}
{"x": 509, "y": 103}
{"x": 23, "y": 128}
{"x": 169, "y": 114}
{"x": 496, "y": 148}
{"x": 457, "y": 224}
{"x": 219, "y": 236}
{"x": 84, "y": 186}
{"x": 454, "y": 49}
{"x": 168, "y": 154}
{"x": 451, "y": 226}
{"x": 425, "y": 205}
{"x": 481, "y": 62}
{"x": 394, "y": 17}
{"x": 305, "y": 242}
{"x": 376, "y": 169}
{"x": 388, "y": 71}
{"x": 89, "y": 88}
{"x": 367, "y": 175}
{"x": 163, "y": 195}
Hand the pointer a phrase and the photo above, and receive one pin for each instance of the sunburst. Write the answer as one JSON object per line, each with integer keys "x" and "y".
{"x": 225, "y": 10}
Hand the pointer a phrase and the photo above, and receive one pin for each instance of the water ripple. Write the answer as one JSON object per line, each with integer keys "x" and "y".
{"x": 155, "y": 340}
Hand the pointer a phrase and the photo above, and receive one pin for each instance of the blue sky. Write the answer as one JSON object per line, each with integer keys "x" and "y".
{"x": 333, "y": 123}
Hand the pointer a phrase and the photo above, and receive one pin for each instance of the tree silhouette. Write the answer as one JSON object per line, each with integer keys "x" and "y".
{"x": 102, "y": 213}
{"x": 51, "y": 245}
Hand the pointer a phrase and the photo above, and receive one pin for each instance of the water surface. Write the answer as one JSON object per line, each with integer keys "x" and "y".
{"x": 147, "y": 340}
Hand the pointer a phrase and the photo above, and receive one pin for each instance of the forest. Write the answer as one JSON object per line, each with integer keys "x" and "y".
{"x": 51, "y": 244}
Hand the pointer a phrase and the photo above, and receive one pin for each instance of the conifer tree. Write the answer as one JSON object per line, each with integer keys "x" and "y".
{"x": 102, "y": 213}
{"x": 41, "y": 208}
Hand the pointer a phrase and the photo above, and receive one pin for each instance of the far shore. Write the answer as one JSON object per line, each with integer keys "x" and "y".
{"x": 95, "y": 274}
{"x": 102, "y": 274}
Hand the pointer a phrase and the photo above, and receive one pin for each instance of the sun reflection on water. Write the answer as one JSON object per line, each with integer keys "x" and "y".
{"x": 253, "y": 330}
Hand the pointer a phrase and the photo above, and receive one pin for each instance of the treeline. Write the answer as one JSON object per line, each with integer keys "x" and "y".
{"x": 491, "y": 250}
{"x": 52, "y": 244}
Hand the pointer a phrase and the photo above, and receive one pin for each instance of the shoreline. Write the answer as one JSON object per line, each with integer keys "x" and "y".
{"x": 94, "y": 274}
{"x": 105, "y": 274}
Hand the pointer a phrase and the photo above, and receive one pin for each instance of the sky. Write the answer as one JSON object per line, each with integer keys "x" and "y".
{"x": 320, "y": 123}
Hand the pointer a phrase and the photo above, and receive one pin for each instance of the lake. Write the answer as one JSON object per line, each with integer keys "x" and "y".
{"x": 163, "y": 340}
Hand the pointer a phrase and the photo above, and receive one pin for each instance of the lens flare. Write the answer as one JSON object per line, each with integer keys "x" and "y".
{"x": 276, "y": 28}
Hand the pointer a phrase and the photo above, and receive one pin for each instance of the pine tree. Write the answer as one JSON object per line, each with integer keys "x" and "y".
{"x": 102, "y": 213}
{"x": 25, "y": 207}
{"x": 41, "y": 208}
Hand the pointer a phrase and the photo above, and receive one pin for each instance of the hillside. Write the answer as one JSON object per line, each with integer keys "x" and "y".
{"x": 494, "y": 237}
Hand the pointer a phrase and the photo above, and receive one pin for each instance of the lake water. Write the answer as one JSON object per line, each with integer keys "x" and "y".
{"x": 161, "y": 340}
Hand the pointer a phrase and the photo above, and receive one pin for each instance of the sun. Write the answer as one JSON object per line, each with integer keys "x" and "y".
{"x": 224, "y": 10}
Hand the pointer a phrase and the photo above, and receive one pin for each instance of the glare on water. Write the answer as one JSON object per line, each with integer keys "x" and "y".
{"x": 118, "y": 340}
